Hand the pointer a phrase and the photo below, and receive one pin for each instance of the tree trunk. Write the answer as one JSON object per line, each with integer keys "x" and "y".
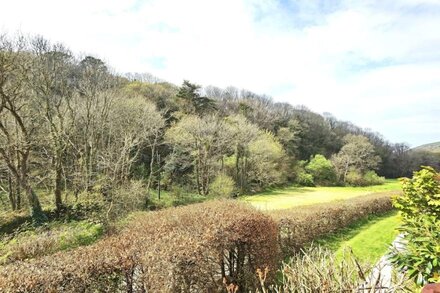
{"x": 37, "y": 213}
{"x": 58, "y": 186}
{"x": 18, "y": 194}
{"x": 150, "y": 176}
{"x": 12, "y": 198}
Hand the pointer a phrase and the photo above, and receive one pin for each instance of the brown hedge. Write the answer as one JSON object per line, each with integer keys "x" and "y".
{"x": 187, "y": 249}
{"x": 301, "y": 225}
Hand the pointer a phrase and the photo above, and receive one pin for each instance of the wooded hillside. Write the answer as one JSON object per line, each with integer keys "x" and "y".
{"x": 72, "y": 127}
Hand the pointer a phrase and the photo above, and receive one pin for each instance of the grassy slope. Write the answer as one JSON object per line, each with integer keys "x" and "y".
{"x": 430, "y": 147}
{"x": 369, "y": 239}
{"x": 298, "y": 196}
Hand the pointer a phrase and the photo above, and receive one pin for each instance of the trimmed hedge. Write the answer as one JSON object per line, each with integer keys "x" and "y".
{"x": 196, "y": 248}
{"x": 301, "y": 225}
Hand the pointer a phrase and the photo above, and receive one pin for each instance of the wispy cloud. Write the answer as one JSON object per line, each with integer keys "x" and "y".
{"x": 371, "y": 62}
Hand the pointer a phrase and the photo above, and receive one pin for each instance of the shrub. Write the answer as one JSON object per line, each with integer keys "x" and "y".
{"x": 185, "y": 249}
{"x": 125, "y": 198}
{"x": 304, "y": 179}
{"x": 420, "y": 209}
{"x": 354, "y": 178}
{"x": 301, "y": 225}
{"x": 322, "y": 170}
{"x": 222, "y": 186}
{"x": 371, "y": 178}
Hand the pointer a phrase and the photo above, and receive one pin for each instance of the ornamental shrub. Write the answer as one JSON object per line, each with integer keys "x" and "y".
{"x": 420, "y": 209}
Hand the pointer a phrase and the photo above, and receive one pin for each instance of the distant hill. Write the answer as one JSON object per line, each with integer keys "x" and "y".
{"x": 429, "y": 147}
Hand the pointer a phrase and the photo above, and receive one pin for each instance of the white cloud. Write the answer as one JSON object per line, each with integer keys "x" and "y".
{"x": 362, "y": 62}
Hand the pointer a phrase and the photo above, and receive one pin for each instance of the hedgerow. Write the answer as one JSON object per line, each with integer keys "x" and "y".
{"x": 200, "y": 248}
{"x": 301, "y": 225}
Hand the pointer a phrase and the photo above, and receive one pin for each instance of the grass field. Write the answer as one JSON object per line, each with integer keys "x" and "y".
{"x": 297, "y": 196}
{"x": 369, "y": 239}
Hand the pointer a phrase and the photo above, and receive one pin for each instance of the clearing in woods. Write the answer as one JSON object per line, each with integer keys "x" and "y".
{"x": 285, "y": 198}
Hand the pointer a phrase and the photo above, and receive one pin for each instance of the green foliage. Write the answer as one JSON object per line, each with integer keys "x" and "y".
{"x": 266, "y": 160}
{"x": 304, "y": 179}
{"x": 371, "y": 178}
{"x": 357, "y": 155}
{"x": 355, "y": 178}
{"x": 222, "y": 186}
{"x": 420, "y": 209}
{"x": 322, "y": 170}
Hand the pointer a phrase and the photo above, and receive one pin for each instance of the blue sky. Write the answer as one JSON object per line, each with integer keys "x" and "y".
{"x": 375, "y": 63}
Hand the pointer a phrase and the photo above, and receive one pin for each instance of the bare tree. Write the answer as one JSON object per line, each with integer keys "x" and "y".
{"x": 52, "y": 83}
{"x": 19, "y": 124}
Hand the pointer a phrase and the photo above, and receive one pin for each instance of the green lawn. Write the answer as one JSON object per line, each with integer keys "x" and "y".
{"x": 297, "y": 196}
{"x": 369, "y": 238}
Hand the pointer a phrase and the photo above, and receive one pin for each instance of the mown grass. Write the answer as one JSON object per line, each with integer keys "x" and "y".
{"x": 369, "y": 238}
{"x": 293, "y": 196}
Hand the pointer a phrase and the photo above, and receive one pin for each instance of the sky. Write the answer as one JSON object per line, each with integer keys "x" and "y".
{"x": 374, "y": 63}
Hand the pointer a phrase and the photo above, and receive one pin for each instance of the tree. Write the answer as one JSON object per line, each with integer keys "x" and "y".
{"x": 266, "y": 160}
{"x": 242, "y": 134}
{"x": 51, "y": 81}
{"x": 193, "y": 101}
{"x": 204, "y": 140}
{"x": 19, "y": 123}
{"x": 134, "y": 125}
{"x": 357, "y": 154}
{"x": 322, "y": 170}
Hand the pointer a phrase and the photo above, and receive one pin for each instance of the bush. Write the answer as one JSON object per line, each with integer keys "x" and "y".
{"x": 322, "y": 170}
{"x": 187, "y": 249}
{"x": 354, "y": 178}
{"x": 125, "y": 198}
{"x": 222, "y": 186}
{"x": 420, "y": 209}
{"x": 371, "y": 178}
{"x": 301, "y": 225}
{"x": 304, "y": 179}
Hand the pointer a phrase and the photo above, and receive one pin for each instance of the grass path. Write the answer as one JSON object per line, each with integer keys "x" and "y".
{"x": 297, "y": 196}
{"x": 369, "y": 239}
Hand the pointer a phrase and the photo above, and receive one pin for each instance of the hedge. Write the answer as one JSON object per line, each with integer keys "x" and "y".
{"x": 198, "y": 248}
{"x": 301, "y": 225}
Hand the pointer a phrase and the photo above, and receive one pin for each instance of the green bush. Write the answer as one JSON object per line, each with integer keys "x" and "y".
{"x": 322, "y": 170}
{"x": 371, "y": 178}
{"x": 420, "y": 209}
{"x": 222, "y": 186}
{"x": 304, "y": 179}
{"x": 354, "y": 178}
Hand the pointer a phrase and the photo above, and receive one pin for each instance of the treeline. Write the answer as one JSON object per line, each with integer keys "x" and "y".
{"x": 70, "y": 125}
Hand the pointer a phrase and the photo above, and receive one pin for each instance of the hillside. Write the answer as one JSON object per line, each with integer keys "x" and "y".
{"x": 429, "y": 147}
